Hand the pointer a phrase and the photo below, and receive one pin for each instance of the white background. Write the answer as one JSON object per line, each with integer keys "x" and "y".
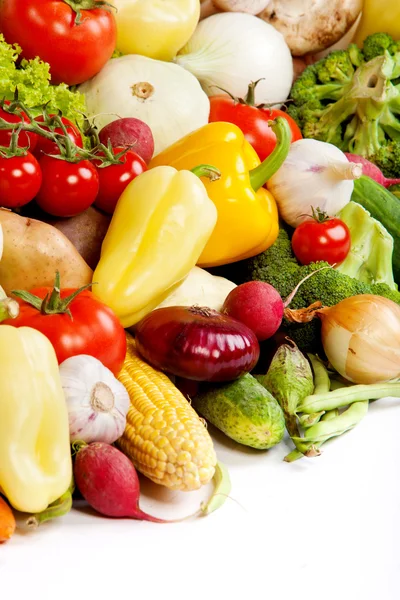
{"x": 325, "y": 528}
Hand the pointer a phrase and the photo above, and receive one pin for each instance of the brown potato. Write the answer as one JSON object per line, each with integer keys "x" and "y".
{"x": 86, "y": 231}
{"x": 34, "y": 251}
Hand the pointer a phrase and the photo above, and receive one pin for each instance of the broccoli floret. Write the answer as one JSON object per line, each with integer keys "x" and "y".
{"x": 279, "y": 267}
{"x": 351, "y": 98}
{"x": 377, "y": 44}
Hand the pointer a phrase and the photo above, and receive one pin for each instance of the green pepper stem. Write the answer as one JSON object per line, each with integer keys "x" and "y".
{"x": 209, "y": 171}
{"x": 260, "y": 175}
{"x": 59, "y": 508}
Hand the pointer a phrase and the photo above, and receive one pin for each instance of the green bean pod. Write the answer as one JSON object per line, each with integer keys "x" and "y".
{"x": 348, "y": 395}
{"x": 332, "y": 427}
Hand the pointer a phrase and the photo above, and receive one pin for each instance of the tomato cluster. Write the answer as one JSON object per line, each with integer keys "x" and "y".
{"x": 61, "y": 186}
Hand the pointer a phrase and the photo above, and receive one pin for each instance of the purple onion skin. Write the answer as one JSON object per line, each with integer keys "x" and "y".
{"x": 197, "y": 343}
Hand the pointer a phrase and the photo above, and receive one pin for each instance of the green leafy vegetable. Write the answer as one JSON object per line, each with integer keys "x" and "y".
{"x": 32, "y": 79}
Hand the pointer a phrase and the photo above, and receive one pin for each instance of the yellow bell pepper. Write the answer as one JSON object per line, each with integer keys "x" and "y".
{"x": 379, "y": 16}
{"x": 247, "y": 213}
{"x": 35, "y": 456}
{"x": 155, "y": 28}
{"x": 160, "y": 226}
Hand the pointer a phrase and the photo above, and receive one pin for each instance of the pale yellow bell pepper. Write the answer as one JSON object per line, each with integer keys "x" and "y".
{"x": 160, "y": 226}
{"x": 379, "y": 16}
{"x": 155, "y": 28}
{"x": 35, "y": 456}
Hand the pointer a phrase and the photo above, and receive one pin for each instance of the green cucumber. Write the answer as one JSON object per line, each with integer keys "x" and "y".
{"x": 383, "y": 206}
{"x": 245, "y": 411}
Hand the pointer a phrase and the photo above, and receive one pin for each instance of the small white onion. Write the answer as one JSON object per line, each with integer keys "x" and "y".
{"x": 97, "y": 402}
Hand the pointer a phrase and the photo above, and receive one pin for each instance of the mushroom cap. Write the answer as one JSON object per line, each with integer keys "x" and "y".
{"x": 252, "y": 7}
{"x": 310, "y": 26}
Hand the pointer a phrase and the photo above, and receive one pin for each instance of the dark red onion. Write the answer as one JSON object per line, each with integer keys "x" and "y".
{"x": 197, "y": 343}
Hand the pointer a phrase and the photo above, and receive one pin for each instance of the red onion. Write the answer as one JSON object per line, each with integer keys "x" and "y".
{"x": 371, "y": 170}
{"x": 197, "y": 343}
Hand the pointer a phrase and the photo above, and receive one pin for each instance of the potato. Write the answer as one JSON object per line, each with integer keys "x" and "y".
{"x": 86, "y": 231}
{"x": 34, "y": 251}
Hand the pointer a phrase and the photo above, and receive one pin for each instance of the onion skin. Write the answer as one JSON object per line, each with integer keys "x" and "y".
{"x": 361, "y": 338}
{"x": 197, "y": 343}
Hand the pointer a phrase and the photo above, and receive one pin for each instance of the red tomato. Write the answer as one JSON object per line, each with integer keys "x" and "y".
{"x": 45, "y": 146}
{"x": 114, "y": 178}
{"x": 93, "y": 329}
{"x": 68, "y": 188}
{"x": 252, "y": 121}
{"x": 25, "y": 139}
{"x": 48, "y": 29}
{"x": 20, "y": 180}
{"x": 327, "y": 240}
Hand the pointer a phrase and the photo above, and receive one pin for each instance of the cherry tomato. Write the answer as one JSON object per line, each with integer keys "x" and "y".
{"x": 94, "y": 329}
{"x": 68, "y": 188}
{"x": 114, "y": 178}
{"x": 328, "y": 239}
{"x": 45, "y": 146}
{"x": 252, "y": 121}
{"x": 20, "y": 180}
{"x": 76, "y": 48}
{"x": 25, "y": 139}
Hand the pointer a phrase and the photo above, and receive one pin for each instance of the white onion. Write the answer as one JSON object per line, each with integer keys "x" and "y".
{"x": 230, "y": 50}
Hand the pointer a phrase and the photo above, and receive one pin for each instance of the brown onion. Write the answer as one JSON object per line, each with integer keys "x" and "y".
{"x": 197, "y": 343}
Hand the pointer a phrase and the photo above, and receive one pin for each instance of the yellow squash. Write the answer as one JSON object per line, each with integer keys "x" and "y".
{"x": 247, "y": 213}
{"x": 35, "y": 457}
{"x": 155, "y": 28}
{"x": 160, "y": 226}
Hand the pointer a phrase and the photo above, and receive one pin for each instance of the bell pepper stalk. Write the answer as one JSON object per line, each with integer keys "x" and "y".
{"x": 261, "y": 174}
{"x": 59, "y": 508}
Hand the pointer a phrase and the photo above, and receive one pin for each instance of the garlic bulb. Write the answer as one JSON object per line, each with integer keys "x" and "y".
{"x": 97, "y": 402}
{"x": 314, "y": 175}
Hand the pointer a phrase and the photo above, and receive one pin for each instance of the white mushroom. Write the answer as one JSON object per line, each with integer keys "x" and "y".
{"x": 252, "y": 7}
{"x": 310, "y": 26}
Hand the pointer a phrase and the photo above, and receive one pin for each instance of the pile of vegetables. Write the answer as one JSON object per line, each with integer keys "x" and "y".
{"x": 188, "y": 236}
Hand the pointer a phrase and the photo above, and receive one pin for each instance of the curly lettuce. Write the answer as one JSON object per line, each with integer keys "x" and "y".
{"x": 32, "y": 79}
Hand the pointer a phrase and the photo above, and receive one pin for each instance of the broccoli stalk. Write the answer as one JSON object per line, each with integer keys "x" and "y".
{"x": 351, "y": 99}
{"x": 370, "y": 256}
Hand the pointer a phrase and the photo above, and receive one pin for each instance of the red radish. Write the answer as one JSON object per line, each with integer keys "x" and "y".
{"x": 132, "y": 133}
{"x": 197, "y": 343}
{"x": 258, "y": 305}
{"x": 371, "y": 170}
{"x": 108, "y": 481}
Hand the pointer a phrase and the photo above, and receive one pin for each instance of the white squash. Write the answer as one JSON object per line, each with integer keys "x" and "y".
{"x": 165, "y": 96}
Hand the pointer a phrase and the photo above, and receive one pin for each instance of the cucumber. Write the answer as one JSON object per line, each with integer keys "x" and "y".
{"x": 383, "y": 206}
{"x": 245, "y": 411}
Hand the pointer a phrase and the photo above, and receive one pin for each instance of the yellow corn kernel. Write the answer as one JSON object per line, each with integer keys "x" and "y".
{"x": 164, "y": 437}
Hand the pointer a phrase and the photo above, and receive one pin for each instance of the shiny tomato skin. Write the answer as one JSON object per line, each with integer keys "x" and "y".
{"x": 20, "y": 180}
{"x": 329, "y": 241}
{"x": 25, "y": 139}
{"x": 115, "y": 178}
{"x": 252, "y": 121}
{"x": 94, "y": 328}
{"x": 47, "y": 28}
{"x": 45, "y": 146}
{"x": 67, "y": 188}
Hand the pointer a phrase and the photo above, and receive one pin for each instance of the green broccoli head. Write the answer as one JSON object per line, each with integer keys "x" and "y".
{"x": 351, "y": 98}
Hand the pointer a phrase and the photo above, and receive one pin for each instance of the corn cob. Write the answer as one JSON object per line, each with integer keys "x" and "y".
{"x": 164, "y": 437}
